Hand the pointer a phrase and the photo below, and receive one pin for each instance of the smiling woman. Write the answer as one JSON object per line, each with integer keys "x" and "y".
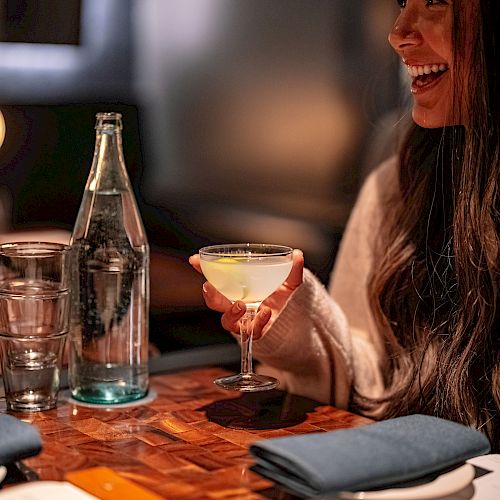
{"x": 422, "y": 37}
{"x": 411, "y": 320}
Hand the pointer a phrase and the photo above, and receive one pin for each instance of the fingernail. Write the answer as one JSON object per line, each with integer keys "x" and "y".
{"x": 205, "y": 288}
{"x": 236, "y": 308}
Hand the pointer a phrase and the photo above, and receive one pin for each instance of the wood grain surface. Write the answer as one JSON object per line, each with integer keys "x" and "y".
{"x": 190, "y": 442}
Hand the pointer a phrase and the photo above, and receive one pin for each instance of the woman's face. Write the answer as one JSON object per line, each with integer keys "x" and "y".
{"x": 422, "y": 37}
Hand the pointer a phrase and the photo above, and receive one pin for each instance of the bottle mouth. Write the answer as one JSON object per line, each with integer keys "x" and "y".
{"x": 108, "y": 120}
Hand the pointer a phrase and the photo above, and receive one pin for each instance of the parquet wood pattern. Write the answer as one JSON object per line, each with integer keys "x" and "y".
{"x": 189, "y": 443}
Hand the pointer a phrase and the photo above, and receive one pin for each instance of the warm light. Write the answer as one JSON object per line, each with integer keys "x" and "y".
{"x": 2, "y": 129}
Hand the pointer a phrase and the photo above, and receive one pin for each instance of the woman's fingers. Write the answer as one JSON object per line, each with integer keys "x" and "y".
{"x": 194, "y": 260}
{"x": 215, "y": 300}
{"x": 231, "y": 317}
{"x": 295, "y": 277}
{"x": 261, "y": 320}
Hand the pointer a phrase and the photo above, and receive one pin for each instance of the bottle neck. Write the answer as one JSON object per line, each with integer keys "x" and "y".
{"x": 108, "y": 205}
{"x": 108, "y": 172}
{"x": 109, "y": 121}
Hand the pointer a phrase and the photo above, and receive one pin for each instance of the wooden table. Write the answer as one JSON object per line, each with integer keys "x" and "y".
{"x": 190, "y": 442}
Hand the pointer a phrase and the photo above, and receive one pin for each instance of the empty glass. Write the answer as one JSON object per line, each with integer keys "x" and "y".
{"x": 34, "y": 322}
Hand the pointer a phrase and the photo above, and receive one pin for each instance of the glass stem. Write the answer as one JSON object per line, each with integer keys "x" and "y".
{"x": 246, "y": 334}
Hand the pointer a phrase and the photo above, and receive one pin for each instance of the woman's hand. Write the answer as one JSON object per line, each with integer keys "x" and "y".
{"x": 270, "y": 308}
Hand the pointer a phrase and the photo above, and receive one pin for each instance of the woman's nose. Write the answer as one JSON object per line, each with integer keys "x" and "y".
{"x": 405, "y": 32}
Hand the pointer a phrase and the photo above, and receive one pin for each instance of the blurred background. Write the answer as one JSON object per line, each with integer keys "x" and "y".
{"x": 243, "y": 121}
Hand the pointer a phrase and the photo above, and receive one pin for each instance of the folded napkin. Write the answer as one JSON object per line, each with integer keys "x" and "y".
{"x": 18, "y": 440}
{"x": 377, "y": 455}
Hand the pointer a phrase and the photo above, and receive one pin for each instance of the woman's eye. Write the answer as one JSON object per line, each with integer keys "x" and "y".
{"x": 428, "y": 3}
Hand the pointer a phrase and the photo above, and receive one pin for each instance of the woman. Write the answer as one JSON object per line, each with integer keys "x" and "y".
{"x": 414, "y": 326}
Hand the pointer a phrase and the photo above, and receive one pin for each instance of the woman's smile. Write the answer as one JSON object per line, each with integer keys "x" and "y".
{"x": 426, "y": 76}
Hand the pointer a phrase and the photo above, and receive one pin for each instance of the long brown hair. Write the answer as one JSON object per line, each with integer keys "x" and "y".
{"x": 435, "y": 291}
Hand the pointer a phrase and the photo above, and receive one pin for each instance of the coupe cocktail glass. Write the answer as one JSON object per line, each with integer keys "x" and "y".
{"x": 249, "y": 272}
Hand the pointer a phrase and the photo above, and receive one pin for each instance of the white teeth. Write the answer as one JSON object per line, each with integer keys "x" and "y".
{"x": 426, "y": 69}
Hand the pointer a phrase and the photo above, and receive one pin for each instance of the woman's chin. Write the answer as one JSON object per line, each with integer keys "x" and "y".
{"x": 432, "y": 119}
{"x": 427, "y": 120}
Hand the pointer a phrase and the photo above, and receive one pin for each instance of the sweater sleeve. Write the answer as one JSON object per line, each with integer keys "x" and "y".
{"x": 309, "y": 346}
{"x": 350, "y": 277}
{"x": 324, "y": 342}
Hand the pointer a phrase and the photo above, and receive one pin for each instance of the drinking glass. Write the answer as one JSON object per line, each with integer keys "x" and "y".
{"x": 249, "y": 272}
{"x": 31, "y": 368}
{"x": 34, "y": 322}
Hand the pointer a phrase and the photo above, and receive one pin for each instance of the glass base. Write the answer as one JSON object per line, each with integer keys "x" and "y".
{"x": 108, "y": 394}
{"x": 247, "y": 382}
{"x": 28, "y": 404}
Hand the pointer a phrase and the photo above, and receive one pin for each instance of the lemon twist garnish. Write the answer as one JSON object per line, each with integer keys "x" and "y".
{"x": 235, "y": 260}
{"x": 230, "y": 260}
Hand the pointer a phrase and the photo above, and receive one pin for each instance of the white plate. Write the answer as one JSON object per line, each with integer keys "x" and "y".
{"x": 53, "y": 490}
{"x": 443, "y": 485}
{"x": 3, "y": 473}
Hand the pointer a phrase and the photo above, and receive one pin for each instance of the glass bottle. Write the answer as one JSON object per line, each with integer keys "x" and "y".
{"x": 110, "y": 282}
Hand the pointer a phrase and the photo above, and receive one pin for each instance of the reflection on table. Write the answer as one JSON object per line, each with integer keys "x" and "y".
{"x": 188, "y": 442}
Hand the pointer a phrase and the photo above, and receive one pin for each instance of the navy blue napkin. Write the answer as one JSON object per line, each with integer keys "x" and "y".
{"x": 18, "y": 439}
{"x": 374, "y": 456}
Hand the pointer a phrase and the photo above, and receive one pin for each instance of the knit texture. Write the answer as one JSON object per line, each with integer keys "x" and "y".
{"x": 324, "y": 342}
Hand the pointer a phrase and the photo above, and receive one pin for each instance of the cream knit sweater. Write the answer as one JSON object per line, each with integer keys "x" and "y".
{"x": 325, "y": 342}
